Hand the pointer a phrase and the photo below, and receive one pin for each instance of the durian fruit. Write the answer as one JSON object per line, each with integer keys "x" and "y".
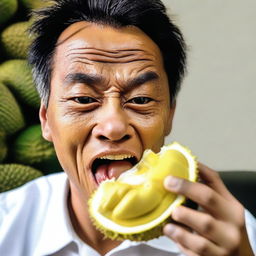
{"x": 17, "y": 75}
{"x": 15, "y": 40}
{"x": 35, "y": 4}
{"x": 32, "y": 149}
{"x": 11, "y": 117}
{"x": 3, "y": 147}
{"x": 136, "y": 205}
{"x": 15, "y": 175}
{"x": 7, "y": 10}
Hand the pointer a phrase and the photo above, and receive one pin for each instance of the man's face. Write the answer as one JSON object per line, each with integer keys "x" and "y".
{"x": 109, "y": 102}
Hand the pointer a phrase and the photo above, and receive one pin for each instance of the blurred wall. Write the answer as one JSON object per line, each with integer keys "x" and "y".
{"x": 216, "y": 108}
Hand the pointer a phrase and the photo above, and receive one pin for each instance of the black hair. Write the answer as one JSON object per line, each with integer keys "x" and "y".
{"x": 148, "y": 15}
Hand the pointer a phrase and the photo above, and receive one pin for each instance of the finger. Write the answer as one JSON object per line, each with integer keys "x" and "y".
{"x": 192, "y": 242}
{"x": 206, "y": 197}
{"x": 218, "y": 232}
{"x": 213, "y": 180}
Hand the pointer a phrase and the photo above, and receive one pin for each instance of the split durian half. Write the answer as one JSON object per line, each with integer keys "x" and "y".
{"x": 136, "y": 206}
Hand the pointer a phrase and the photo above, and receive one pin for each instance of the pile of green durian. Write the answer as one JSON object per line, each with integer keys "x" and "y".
{"x": 24, "y": 154}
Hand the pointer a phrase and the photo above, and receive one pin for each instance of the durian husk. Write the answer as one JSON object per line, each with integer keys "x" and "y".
{"x": 15, "y": 40}
{"x": 16, "y": 175}
{"x": 11, "y": 116}
{"x": 16, "y": 74}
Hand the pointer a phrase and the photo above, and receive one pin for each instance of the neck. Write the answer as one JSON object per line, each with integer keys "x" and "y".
{"x": 80, "y": 219}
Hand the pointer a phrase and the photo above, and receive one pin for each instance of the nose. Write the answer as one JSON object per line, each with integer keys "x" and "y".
{"x": 112, "y": 125}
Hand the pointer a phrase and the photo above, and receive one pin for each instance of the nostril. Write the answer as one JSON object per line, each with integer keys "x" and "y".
{"x": 124, "y": 138}
{"x": 101, "y": 137}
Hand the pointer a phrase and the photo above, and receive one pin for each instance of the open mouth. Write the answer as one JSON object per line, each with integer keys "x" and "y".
{"x": 111, "y": 166}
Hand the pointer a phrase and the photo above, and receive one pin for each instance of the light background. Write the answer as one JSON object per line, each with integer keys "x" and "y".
{"x": 216, "y": 108}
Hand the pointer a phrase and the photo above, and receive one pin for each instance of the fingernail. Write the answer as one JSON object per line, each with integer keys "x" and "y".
{"x": 171, "y": 182}
{"x": 169, "y": 229}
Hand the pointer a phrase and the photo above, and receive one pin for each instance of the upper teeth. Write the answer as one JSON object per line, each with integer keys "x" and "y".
{"x": 116, "y": 157}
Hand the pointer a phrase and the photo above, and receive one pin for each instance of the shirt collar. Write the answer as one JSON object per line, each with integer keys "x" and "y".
{"x": 57, "y": 230}
{"x": 162, "y": 243}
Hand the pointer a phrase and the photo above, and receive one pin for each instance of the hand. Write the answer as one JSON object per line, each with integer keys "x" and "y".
{"x": 219, "y": 229}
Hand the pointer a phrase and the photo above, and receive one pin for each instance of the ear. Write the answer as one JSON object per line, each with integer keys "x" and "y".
{"x": 170, "y": 118}
{"x": 46, "y": 131}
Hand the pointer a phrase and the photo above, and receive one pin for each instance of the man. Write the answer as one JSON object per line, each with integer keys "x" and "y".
{"x": 108, "y": 72}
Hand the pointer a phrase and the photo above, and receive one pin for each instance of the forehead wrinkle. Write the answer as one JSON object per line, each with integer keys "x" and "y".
{"x": 101, "y": 49}
{"x": 106, "y": 56}
{"x": 82, "y": 62}
{"x": 111, "y": 61}
{"x": 107, "y": 52}
{"x": 105, "y": 59}
{"x": 139, "y": 74}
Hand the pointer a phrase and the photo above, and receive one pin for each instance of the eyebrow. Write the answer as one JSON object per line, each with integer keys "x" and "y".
{"x": 83, "y": 78}
{"x": 93, "y": 80}
{"x": 141, "y": 79}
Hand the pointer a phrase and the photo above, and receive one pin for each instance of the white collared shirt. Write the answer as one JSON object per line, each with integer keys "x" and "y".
{"x": 34, "y": 221}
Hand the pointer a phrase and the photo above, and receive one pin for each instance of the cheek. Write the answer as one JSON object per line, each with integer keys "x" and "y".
{"x": 68, "y": 137}
{"x": 151, "y": 131}
{"x": 154, "y": 139}
{"x": 69, "y": 141}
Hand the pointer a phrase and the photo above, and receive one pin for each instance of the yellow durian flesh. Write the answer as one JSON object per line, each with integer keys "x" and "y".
{"x": 136, "y": 205}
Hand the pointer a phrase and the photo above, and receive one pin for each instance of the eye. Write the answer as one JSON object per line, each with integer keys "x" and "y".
{"x": 140, "y": 100}
{"x": 85, "y": 100}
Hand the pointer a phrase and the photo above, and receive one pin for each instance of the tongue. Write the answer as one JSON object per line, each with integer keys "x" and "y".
{"x": 116, "y": 168}
{"x": 101, "y": 173}
{"x": 113, "y": 169}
